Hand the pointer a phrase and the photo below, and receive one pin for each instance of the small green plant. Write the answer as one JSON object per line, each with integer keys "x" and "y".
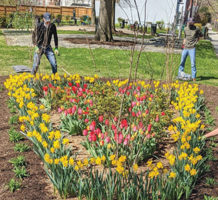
{"x": 14, "y": 136}
{"x": 216, "y": 109}
{"x": 210, "y": 198}
{"x": 13, "y": 185}
{"x": 20, "y": 172}
{"x": 209, "y": 119}
{"x": 207, "y": 168}
{"x": 18, "y": 161}
{"x": 1, "y": 88}
{"x": 12, "y": 110}
{"x": 21, "y": 147}
{"x": 210, "y": 181}
{"x": 10, "y": 104}
{"x": 13, "y": 119}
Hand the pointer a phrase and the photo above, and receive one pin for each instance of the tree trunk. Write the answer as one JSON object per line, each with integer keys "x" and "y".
{"x": 113, "y": 16}
{"x": 93, "y": 17}
{"x": 104, "y": 30}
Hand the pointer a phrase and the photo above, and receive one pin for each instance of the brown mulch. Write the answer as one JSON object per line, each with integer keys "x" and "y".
{"x": 37, "y": 185}
{"x": 201, "y": 189}
{"x": 93, "y": 41}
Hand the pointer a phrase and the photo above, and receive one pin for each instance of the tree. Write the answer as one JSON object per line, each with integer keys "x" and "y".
{"x": 104, "y": 30}
{"x": 160, "y": 24}
{"x": 113, "y": 16}
{"x": 93, "y": 17}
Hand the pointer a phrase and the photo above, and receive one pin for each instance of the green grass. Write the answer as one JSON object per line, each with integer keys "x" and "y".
{"x": 111, "y": 63}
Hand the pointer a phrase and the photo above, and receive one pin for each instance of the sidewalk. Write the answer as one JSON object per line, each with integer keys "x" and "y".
{"x": 214, "y": 40}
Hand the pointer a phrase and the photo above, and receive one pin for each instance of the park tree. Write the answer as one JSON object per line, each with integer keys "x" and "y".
{"x": 113, "y": 15}
{"x": 93, "y": 17}
{"x": 104, "y": 29}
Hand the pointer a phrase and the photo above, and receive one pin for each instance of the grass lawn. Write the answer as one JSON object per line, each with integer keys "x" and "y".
{"x": 111, "y": 63}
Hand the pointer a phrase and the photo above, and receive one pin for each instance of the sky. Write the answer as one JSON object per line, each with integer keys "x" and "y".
{"x": 156, "y": 10}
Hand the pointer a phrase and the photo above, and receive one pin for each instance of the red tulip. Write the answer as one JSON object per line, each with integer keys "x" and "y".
{"x": 100, "y": 118}
{"x": 163, "y": 113}
{"x": 149, "y": 127}
{"x": 107, "y": 122}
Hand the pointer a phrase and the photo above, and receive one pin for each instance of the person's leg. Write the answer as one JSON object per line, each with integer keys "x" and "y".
{"x": 192, "y": 53}
{"x": 51, "y": 57}
{"x": 183, "y": 59}
{"x": 36, "y": 62}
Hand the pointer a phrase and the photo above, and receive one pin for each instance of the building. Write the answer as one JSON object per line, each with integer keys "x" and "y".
{"x": 63, "y": 2}
{"x": 75, "y": 3}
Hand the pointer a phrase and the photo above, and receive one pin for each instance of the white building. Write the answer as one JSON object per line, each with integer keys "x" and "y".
{"x": 75, "y": 2}
{"x": 59, "y": 2}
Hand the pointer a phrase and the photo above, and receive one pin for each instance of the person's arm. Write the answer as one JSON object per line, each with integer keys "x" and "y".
{"x": 212, "y": 133}
{"x": 199, "y": 34}
{"x": 55, "y": 37}
{"x": 34, "y": 36}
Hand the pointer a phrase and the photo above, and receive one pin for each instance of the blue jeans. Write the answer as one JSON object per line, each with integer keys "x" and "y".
{"x": 191, "y": 53}
{"x": 49, "y": 55}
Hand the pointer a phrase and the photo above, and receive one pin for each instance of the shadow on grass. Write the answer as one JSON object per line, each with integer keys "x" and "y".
{"x": 202, "y": 78}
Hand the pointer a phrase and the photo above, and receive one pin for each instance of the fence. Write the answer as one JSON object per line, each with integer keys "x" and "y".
{"x": 53, "y": 10}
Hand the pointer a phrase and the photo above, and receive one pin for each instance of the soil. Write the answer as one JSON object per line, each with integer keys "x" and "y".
{"x": 93, "y": 41}
{"x": 37, "y": 184}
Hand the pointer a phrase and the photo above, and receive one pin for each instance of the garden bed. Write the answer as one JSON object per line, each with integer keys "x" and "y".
{"x": 79, "y": 138}
{"x": 93, "y": 41}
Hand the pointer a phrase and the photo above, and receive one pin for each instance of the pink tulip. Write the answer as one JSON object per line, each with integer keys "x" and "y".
{"x": 125, "y": 141}
{"x": 65, "y": 112}
{"x": 80, "y": 111}
{"x": 85, "y": 132}
{"x": 134, "y": 129}
{"x": 157, "y": 118}
{"x": 92, "y": 127}
{"x": 86, "y": 120}
{"x": 107, "y": 139}
{"x": 91, "y": 102}
{"x": 120, "y": 138}
{"x": 148, "y": 136}
{"x": 134, "y": 103}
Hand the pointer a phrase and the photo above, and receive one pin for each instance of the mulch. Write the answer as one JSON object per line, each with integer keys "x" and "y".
{"x": 118, "y": 43}
{"x": 37, "y": 185}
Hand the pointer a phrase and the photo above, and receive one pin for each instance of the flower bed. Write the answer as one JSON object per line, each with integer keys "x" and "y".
{"x": 123, "y": 124}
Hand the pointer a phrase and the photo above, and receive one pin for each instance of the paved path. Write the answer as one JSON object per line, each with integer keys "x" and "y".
{"x": 214, "y": 40}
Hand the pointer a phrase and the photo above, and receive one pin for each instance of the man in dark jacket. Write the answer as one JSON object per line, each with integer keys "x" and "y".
{"x": 41, "y": 38}
{"x": 192, "y": 35}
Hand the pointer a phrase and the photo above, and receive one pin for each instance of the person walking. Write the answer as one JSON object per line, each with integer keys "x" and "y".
{"x": 41, "y": 39}
{"x": 192, "y": 36}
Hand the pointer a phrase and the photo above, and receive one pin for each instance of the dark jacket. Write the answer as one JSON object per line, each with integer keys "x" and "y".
{"x": 39, "y": 35}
